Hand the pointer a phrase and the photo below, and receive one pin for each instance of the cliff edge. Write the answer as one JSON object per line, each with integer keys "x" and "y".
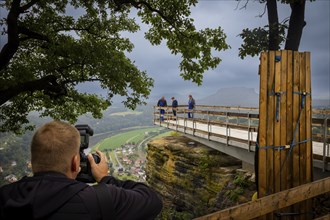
{"x": 194, "y": 180}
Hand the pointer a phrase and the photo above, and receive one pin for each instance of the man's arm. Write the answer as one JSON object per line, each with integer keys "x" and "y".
{"x": 130, "y": 199}
{"x": 133, "y": 200}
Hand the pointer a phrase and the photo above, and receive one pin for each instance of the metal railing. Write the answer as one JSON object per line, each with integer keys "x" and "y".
{"x": 242, "y": 118}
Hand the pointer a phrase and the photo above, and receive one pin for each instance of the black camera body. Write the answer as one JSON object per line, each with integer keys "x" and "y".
{"x": 85, "y": 175}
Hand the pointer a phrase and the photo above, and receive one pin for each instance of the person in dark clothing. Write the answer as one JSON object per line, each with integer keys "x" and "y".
{"x": 162, "y": 103}
{"x": 174, "y": 106}
{"x": 191, "y": 106}
{"x": 53, "y": 193}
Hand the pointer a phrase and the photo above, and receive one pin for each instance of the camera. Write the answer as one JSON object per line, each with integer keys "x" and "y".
{"x": 85, "y": 175}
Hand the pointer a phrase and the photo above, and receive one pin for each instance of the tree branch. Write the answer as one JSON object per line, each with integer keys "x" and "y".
{"x": 32, "y": 34}
{"x": 137, "y": 4}
{"x": 29, "y": 5}
{"x": 9, "y": 49}
{"x": 157, "y": 11}
{"x": 48, "y": 84}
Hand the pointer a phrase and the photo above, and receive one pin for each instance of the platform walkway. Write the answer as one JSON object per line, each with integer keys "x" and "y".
{"x": 234, "y": 130}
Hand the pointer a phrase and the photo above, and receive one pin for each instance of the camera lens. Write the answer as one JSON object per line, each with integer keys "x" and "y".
{"x": 97, "y": 158}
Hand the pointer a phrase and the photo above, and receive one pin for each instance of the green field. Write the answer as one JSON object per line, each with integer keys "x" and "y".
{"x": 125, "y": 113}
{"x": 116, "y": 141}
{"x": 169, "y": 133}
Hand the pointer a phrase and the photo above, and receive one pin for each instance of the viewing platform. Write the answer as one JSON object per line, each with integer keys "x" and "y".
{"x": 234, "y": 130}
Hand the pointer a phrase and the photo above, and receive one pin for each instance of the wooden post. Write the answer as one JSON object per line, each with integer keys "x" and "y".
{"x": 284, "y": 136}
{"x": 267, "y": 204}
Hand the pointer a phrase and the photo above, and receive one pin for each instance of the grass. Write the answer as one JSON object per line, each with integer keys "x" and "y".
{"x": 169, "y": 133}
{"x": 125, "y": 113}
{"x": 113, "y": 158}
{"x": 118, "y": 140}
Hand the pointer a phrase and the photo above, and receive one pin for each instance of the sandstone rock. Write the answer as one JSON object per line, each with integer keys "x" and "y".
{"x": 192, "y": 179}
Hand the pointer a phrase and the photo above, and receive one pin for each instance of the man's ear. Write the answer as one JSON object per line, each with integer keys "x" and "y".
{"x": 75, "y": 167}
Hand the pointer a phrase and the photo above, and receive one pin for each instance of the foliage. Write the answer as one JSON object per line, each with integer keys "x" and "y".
{"x": 257, "y": 40}
{"x": 233, "y": 194}
{"x": 55, "y": 46}
{"x": 271, "y": 36}
{"x": 241, "y": 181}
{"x": 172, "y": 213}
{"x": 14, "y": 149}
{"x": 175, "y": 133}
{"x": 204, "y": 163}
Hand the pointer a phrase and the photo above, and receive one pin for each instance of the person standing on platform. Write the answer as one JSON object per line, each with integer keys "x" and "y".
{"x": 174, "y": 107}
{"x": 191, "y": 106}
{"x": 162, "y": 103}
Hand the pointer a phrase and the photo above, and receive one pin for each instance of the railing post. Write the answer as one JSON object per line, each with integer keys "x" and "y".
{"x": 227, "y": 128}
{"x": 153, "y": 115}
{"x": 325, "y": 132}
{"x": 237, "y": 119}
{"x": 184, "y": 121}
{"x": 176, "y": 122}
{"x": 208, "y": 125}
{"x": 160, "y": 117}
{"x": 248, "y": 115}
{"x": 194, "y": 126}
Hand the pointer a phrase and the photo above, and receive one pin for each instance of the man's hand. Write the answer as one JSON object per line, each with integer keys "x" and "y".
{"x": 99, "y": 170}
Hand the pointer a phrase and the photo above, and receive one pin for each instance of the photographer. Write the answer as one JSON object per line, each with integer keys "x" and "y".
{"x": 54, "y": 193}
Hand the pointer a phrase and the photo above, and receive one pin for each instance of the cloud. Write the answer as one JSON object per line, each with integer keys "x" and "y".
{"x": 163, "y": 66}
{"x": 233, "y": 71}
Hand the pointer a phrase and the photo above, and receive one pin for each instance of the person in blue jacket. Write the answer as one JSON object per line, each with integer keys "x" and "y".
{"x": 174, "y": 106}
{"x": 162, "y": 103}
{"x": 53, "y": 193}
{"x": 191, "y": 106}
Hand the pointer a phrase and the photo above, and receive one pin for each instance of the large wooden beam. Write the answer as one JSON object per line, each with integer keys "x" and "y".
{"x": 272, "y": 202}
{"x": 325, "y": 217}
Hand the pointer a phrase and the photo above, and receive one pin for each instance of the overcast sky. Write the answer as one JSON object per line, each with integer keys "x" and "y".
{"x": 233, "y": 71}
{"x": 163, "y": 67}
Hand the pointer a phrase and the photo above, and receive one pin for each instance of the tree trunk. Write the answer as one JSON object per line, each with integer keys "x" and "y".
{"x": 273, "y": 43}
{"x": 11, "y": 47}
{"x": 296, "y": 25}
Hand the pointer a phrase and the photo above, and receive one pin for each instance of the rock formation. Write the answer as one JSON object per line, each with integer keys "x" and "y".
{"x": 194, "y": 180}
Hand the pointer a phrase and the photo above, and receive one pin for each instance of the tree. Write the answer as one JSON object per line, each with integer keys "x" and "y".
{"x": 52, "y": 46}
{"x": 272, "y": 36}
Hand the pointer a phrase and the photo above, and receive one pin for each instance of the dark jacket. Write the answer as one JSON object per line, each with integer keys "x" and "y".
{"x": 54, "y": 196}
{"x": 174, "y": 103}
{"x": 191, "y": 103}
{"x": 162, "y": 103}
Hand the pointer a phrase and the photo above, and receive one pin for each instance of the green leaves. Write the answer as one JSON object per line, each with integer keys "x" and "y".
{"x": 196, "y": 47}
{"x": 82, "y": 41}
{"x": 257, "y": 40}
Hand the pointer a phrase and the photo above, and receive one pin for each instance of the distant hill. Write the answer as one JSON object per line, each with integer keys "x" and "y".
{"x": 238, "y": 96}
{"x": 225, "y": 96}
{"x": 234, "y": 96}
{"x": 321, "y": 103}
{"x": 182, "y": 99}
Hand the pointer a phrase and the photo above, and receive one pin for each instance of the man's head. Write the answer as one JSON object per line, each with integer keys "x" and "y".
{"x": 172, "y": 98}
{"x": 55, "y": 147}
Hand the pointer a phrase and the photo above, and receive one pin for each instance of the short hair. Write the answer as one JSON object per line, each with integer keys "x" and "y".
{"x": 52, "y": 147}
